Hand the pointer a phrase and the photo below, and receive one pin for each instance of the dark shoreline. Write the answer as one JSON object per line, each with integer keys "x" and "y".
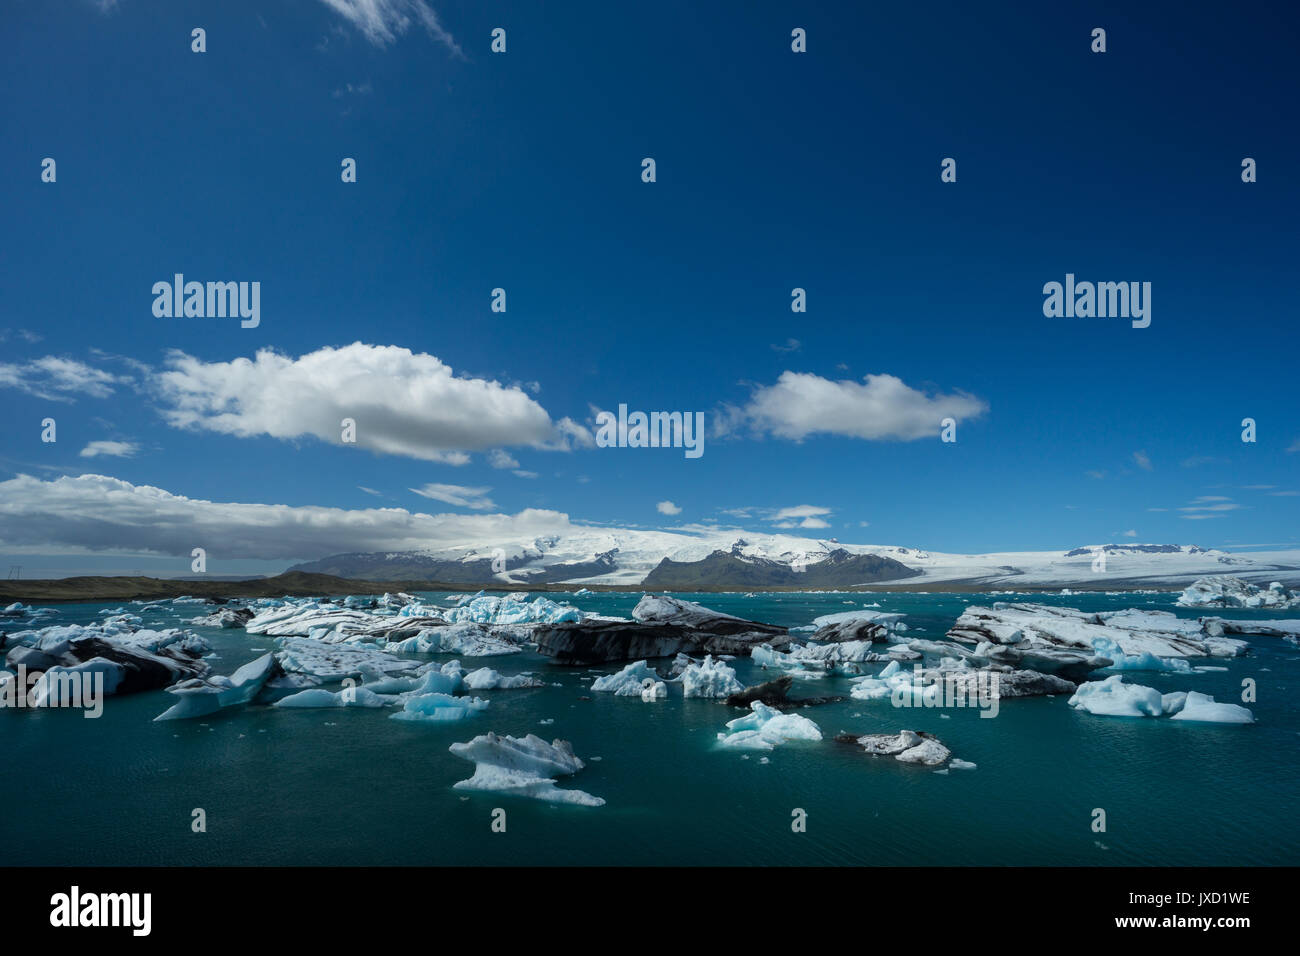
{"x": 301, "y": 584}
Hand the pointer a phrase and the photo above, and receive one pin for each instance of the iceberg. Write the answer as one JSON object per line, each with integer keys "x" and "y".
{"x": 1113, "y": 698}
{"x": 439, "y": 707}
{"x": 465, "y": 638}
{"x": 1225, "y": 590}
{"x": 492, "y": 609}
{"x": 319, "y": 697}
{"x": 907, "y": 746}
{"x": 765, "y": 728}
{"x": 202, "y": 696}
{"x": 709, "y": 678}
{"x": 522, "y": 767}
{"x": 487, "y": 679}
{"x": 629, "y": 682}
{"x": 1202, "y": 707}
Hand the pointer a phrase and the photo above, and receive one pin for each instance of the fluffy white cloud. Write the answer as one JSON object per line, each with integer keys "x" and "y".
{"x": 58, "y": 379}
{"x": 668, "y": 508}
{"x": 801, "y": 516}
{"x": 403, "y": 403}
{"x": 499, "y": 458}
{"x": 458, "y": 495}
{"x": 1143, "y": 460}
{"x": 880, "y": 407}
{"x": 383, "y": 21}
{"x": 95, "y": 513}
{"x": 114, "y": 449}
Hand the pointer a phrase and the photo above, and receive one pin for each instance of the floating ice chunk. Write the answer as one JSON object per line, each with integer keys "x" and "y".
{"x": 336, "y": 661}
{"x": 439, "y": 707}
{"x": 958, "y": 764}
{"x": 765, "y": 728}
{"x": 653, "y": 691}
{"x": 444, "y": 680}
{"x": 710, "y": 678}
{"x": 1202, "y": 707}
{"x": 1227, "y": 591}
{"x": 319, "y": 697}
{"x": 906, "y": 745}
{"x": 202, "y": 696}
{"x": 485, "y": 678}
{"x": 493, "y": 609}
{"x": 1146, "y": 661}
{"x": 629, "y": 682}
{"x": 466, "y": 639}
{"x": 522, "y": 767}
{"x": 1114, "y": 698}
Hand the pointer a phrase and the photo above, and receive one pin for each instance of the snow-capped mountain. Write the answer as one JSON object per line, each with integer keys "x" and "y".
{"x": 722, "y": 558}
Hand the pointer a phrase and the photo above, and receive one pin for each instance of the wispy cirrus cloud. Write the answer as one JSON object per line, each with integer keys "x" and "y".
{"x": 59, "y": 379}
{"x": 110, "y": 449}
{"x": 461, "y": 496}
{"x": 383, "y": 21}
{"x": 1208, "y": 506}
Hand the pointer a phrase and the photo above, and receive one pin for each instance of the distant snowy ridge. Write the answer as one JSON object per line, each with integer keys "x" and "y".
{"x": 678, "y": 560}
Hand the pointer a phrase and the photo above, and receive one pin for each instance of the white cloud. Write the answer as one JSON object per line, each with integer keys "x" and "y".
{"x": 58, "y": 379}
{"x": 94, "y": 513}
{"x": 403, "y": 403}
{"x": 499, "y": 458}
{"x": 521, "y": 473}
{"x": 383, "y": 21}
{"x": 801, "y": 516}
{"x": 882, "y": 407}
{"x": 458, "y": 495}
{"x": 1142, "y": 460}
{"x": 1209, "y": 506}
{"x": 115, "y": 449}
{"x": 1130, "y": 534}
{"x": 370, "y": 491}
{"x": 668, "y": 508}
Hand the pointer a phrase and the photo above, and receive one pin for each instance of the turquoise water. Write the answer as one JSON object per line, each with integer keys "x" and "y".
{"x": 353, "y": 787}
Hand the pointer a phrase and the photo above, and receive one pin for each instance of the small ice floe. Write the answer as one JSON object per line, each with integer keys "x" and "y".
{"x": 907, "y": 746}
{"x": 709, "y": 678}
{"x": 765, "y": 728}
{"x": 485, "y": 678}
{"x": 1224, "y": 590}
{"x": 201, "y": 696}
{"x": 629, "y": 682}
{"x": 439, "y": 707}
{"x": 522, "y": 767}
{"x": 1114, "y": 698}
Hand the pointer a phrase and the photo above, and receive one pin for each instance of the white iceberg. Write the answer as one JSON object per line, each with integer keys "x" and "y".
{"x": 709, "y": 678}
{"x": 1225, "y": 590}
{"x": 764, "y": 728}
{"x": 522, "y": 767}
{"x": 629, "y": 682}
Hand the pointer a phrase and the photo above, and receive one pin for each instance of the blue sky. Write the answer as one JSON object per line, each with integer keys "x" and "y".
{"x": 775, "y": 170}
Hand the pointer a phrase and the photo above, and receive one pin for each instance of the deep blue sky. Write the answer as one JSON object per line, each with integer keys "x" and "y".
{"x": 775, "y": 170}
